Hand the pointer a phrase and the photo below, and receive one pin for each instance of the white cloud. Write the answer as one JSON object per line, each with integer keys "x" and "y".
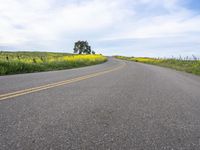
{"x": 41, "y": 20}
{"x": 53, "y": 24}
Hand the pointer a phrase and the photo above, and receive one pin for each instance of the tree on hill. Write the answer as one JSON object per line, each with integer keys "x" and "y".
{"x": 82, "y": 47}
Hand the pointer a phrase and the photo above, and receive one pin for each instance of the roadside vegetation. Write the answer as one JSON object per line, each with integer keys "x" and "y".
{"x": 26, "y": 62}
{"x": 181, "y": 64}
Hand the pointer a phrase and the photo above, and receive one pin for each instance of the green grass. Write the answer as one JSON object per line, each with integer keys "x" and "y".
{"x": 26, "y": 62}
{"x": 190, "y": 66}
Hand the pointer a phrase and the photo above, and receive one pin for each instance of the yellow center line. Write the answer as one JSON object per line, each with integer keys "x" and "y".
{"x": 56, "y": 84}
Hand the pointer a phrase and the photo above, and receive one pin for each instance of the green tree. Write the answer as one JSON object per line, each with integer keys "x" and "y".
{"x": 82, "y": 47}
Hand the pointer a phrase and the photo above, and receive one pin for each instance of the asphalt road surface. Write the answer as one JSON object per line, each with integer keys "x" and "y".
{"x": 118, "y": 105}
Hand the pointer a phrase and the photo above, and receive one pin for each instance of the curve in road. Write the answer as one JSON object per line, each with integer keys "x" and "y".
{"x": 138, "y": 107}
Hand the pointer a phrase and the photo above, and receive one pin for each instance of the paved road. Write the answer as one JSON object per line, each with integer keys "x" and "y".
{"x": 134, "y": 107}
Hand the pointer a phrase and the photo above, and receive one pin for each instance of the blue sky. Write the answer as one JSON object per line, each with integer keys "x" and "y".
{"x": 155, "y": 28}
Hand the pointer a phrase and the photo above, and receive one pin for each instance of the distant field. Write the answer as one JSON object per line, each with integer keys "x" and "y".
{"x": 190, "y": 66}
{"x": 26, "y": 62}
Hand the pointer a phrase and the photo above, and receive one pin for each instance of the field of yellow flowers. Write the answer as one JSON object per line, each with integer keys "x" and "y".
{"x": 25, "y": 62}
{"x": 181, "y": 64}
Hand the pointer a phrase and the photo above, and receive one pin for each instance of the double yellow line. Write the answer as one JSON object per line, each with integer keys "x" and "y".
{"x": 56, "y": 84}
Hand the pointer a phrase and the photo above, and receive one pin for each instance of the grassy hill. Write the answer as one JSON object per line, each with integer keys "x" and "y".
{"x": 187, "y": 65}
{"x": 26, "y": 62}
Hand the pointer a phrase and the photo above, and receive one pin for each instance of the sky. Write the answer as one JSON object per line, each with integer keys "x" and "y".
{"x": 152, "y": 28}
